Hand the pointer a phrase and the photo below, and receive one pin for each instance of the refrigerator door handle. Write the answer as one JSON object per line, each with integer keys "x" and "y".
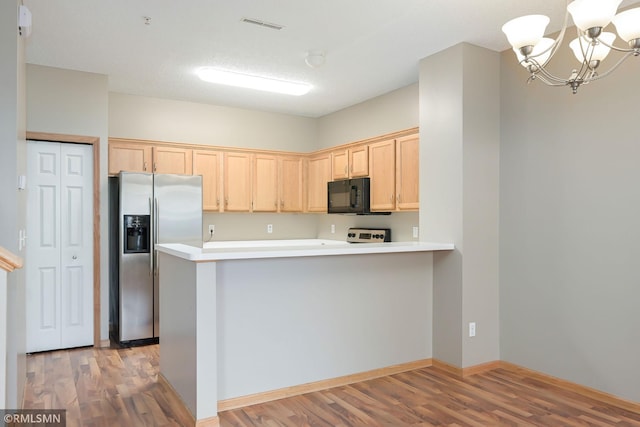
{"x": 155, "y": 237}
{"x": 153, "y": 240}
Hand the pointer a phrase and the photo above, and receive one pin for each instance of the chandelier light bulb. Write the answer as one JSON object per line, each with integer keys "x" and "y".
{"x": 586, "y": 51}
{"x": 525, "y": 30}
{"x": 628, "y": 24}
{"x": 593, "y": 13}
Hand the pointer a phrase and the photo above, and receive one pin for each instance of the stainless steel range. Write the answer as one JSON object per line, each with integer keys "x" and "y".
{"x": 368, "y": 235}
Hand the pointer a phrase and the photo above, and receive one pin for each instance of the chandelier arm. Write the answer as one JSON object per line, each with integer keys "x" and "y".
{"x": 610, "y": 70}
{"x": 584, "y": 66}
{"x": 557, "y": 42}
{"x": 546, "y": 81}
{"x": 617, "y": 49}
{"x": 542, "y": 72}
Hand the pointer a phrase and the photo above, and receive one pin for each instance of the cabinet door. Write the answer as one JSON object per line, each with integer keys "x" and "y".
{"x": 291, "y": 184}
{"x": 340, "y": 164}
{"x": 382, "y": 168}
{"x": 129, "y": 158}
{"x": 407, "y": 172}
{"x": 359, "y": 161}
{"x": 318, "y": 174}
{"x": 265, "y": 183}
{"x": 172, "y": 160}
{"x": 208, "y": 165}
{"x": 237, "y": 182}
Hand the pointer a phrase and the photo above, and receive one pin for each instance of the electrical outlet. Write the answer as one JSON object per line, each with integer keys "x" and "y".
{"x": 269, "y": 228}
{"x": 415, "y": 232}
{"x": 212, "y": 229}
{"x": 472, "y": 329}
{"x": 333, "y": 229}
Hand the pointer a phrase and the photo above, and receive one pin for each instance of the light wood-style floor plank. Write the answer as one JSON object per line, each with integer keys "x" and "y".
{"x": 119, "y": 387}
{"x": 103, "y": 387}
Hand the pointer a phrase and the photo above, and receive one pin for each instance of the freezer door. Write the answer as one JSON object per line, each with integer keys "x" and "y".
{"x": 136, "y": 270}
{"x": 136, "y": 192}
{"x": 178, "y": 219}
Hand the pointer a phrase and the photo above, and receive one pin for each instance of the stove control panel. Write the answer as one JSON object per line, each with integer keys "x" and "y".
{"x": 368, "y": 235}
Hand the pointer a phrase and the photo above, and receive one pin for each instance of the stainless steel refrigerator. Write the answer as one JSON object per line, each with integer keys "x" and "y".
{"x": 146, "y": 209}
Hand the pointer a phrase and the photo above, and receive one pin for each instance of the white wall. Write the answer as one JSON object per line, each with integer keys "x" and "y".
{"x": 13, "y": 206}
{"x": 291, "y": 321}
{"x": 391, "y": 112}
{"x": 157, "y": 119}
{"x": 75, "y": 103}
{"x": 253, "y": 226}
{"x": 569, "y": 226}
{"x": 459, "y": 158}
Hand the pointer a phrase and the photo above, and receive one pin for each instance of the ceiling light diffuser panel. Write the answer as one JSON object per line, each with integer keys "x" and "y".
{"x": 249, "y": 81}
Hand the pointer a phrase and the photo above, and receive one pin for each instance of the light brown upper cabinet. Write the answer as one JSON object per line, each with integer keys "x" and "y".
{"x": 382, "y": 168}
{"x": 277, "y": 183}
{"x": 243, "y": 180}
{"x": 135, "y": 157}
{"x": 393, "y": 167}
{"x": 318, "y": 175}
{"x": 237, "y": 181}
{"x": 265, "y": 183}
{"x": 350, "y": 162}
{"x": 208, "y": 163}
{"x": 172, "y": 160}
{"x": 291, "y": 184}
{"x": 407, "y": 172}
{"x": 129, "y": 157}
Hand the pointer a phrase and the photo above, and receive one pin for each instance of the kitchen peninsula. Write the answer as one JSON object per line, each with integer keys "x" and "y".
{"x": 253, "y": 322}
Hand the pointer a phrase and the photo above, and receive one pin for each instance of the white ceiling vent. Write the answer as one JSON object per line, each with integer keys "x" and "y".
{"x": 262, "y": 23}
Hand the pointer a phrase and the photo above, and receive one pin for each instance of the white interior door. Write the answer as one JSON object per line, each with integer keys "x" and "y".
{"x": 59, "y": 256}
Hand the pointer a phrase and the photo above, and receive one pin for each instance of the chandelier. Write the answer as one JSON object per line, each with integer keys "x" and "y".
{"x": 590, "y": 47}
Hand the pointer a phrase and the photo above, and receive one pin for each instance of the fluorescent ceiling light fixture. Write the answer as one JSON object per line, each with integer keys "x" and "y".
{"x": 231, "y": 78}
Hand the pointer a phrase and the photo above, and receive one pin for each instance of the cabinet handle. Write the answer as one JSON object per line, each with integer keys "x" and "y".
{"x": 144, "y": 166}
{"x": 155, "y": 167}
{"x": 226, "y": 201}
{"x": 218, "y": 202}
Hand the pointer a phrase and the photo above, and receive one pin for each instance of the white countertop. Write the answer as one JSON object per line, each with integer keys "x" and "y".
{"x": 254, "y": 249}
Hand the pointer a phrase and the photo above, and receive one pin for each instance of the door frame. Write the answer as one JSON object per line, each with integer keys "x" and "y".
{"x": 94, "y": 141}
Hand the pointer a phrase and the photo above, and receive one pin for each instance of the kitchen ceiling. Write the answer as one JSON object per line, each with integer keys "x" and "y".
{"x": 372, "y": 46}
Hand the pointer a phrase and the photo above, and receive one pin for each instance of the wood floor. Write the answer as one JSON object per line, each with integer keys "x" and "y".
{"x": 118, "y": 387}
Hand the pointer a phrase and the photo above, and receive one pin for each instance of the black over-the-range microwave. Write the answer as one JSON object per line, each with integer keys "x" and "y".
{"x": 350, "y": 196}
